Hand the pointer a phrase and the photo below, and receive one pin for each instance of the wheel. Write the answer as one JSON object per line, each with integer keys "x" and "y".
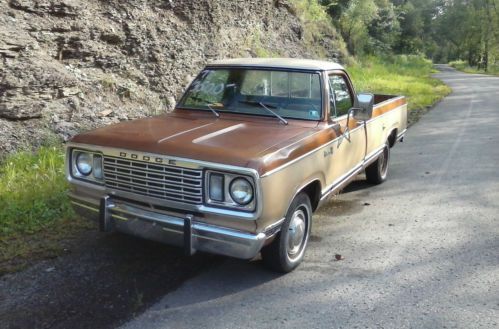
{"x": 377, "y": 171}
{"x": 286, "y": 252}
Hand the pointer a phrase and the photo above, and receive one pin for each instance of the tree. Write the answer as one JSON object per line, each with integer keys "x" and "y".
{"x": 384, "y": 29}
{"x": 443, "y": 30}
{"x": 354, "y": 22}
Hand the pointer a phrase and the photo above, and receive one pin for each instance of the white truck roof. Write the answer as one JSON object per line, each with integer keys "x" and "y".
{"x": 290, "y": 63}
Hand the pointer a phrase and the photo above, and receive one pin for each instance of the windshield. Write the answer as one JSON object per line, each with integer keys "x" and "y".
{"x": 294, "y": 95}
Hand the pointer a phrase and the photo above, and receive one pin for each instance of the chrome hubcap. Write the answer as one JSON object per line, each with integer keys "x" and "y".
{"x": 296, "y": 234}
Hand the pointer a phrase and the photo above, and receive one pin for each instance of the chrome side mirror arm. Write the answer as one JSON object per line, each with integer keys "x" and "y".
{"x": 346, "y": 133}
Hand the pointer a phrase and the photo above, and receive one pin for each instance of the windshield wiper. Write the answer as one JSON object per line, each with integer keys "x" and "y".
{"x": 209, "y": 105}
{"x": 213, "y": 110}
{"x": 266, "y": 107}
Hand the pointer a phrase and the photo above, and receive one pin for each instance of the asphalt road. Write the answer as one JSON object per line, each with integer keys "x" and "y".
{"x": 421, "y": 250}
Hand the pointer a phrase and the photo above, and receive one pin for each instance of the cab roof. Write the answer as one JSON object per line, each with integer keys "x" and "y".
{"x": 281, "y": 63}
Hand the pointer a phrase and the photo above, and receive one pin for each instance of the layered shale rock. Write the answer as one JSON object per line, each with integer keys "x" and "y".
{"x": 68, "y": 65}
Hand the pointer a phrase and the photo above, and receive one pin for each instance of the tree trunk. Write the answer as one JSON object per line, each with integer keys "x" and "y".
{"x": 488, "y": 35}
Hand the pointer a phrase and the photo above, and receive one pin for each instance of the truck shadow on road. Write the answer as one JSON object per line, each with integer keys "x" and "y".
{"x": 103, "y": 280}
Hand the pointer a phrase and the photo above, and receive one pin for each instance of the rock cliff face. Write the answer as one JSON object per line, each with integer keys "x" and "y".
{"x": 68, "y": 65}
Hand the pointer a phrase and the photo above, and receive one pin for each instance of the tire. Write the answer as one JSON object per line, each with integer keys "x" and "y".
{"x": 285, "y": 253}
{"x": 377, "y": 171}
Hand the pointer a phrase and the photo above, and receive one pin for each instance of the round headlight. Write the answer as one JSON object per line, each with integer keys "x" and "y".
{"x": 84, "y": 163}
{"x": 241, "y": 191}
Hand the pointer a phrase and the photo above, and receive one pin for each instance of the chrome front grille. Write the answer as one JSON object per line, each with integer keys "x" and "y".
{"x": 154, "y": 180}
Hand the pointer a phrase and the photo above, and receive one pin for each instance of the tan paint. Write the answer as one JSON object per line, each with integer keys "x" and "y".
{"x": 380, "y": 127}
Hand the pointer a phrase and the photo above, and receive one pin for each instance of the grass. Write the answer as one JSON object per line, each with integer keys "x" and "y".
{"x": 463, "y": 66}
{"x": 408, "y": 75}
{"x": 35, "y": 213}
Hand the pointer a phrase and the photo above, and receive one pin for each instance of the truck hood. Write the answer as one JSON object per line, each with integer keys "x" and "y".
{"x": 237, "y": 140}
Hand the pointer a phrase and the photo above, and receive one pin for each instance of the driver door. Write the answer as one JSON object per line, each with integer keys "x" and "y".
{"x": 350, "y": 147}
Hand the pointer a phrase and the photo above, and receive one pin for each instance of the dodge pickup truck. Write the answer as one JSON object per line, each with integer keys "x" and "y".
{"x": 253, "y": 148}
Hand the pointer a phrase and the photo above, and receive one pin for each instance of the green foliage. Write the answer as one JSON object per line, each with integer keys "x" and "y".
{"x": 36, "y": 219}
{"x": 469, "y": 31}
{"x": 310, "y": 11}
{"x": 367, "y": 26}
{"x": 384, "y": 29}
{"x": 32, "y": 191}
{"x": 442, "y": 30}
{"x": 464, "y": 66}
{"x": 460, "y": 65}
{"x": 407, "y": 75}
{"x": 318, "y": 27}
{"x": 354, "y": 22}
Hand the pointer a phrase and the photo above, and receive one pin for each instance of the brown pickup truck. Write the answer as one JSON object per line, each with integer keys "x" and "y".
{"x": 251, "y": 150}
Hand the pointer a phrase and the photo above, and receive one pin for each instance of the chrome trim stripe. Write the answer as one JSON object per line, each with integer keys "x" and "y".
{"x": 170, "y": 230}
{"x": 217, "y": 133}
{"x": 145, "y": 215}
{"x": 337, "y": 183}
{"x": 182, "y": 133}
{"x": 119, "y": 217}
{"x": 342, "y": 179}
{"x": 374, "y": 154}
{"x": 224, "y": 231}
{"x": 79, "y": 204}
{"x": 341, "y": 183}
{"x": 272, "y": 229}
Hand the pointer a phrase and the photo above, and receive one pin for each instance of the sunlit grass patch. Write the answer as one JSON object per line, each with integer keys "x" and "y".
{"x": 406, "y": 75}
{"x": 32, "y": 190}
{"x": 35, "y": 213}
{"x": 463, "y": 66}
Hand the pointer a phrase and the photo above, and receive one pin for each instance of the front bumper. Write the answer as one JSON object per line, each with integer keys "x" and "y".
{"x": 189, "y": 232}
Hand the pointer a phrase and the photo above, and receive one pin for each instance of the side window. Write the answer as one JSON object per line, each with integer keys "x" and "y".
{"x": 342, "y": 94}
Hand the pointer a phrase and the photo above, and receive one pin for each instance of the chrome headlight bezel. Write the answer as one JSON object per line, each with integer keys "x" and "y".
{"x": 228, "y": 200}
{"x": 96, "y": 172}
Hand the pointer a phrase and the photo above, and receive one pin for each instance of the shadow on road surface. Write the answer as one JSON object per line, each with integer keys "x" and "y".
{"x": 102, "y": 281}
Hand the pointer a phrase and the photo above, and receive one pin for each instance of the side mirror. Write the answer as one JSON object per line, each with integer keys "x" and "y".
{"x": 365, "y": 107}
